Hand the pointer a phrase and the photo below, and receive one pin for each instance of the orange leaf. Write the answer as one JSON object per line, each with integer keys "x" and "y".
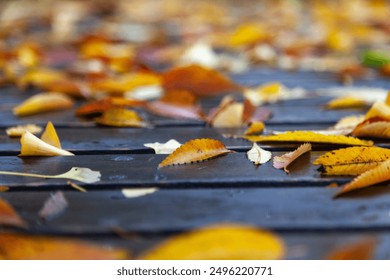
{"x": 121, "y": 118}
{"x": 179, "y": 97}
{"x": 98, "y": 107}
{"x": 195, "y": 150}
{"x": 199, "y": 80}
{"x": 9, "y": 217}
{"x": 43, "y": 102}
{"x": 23, "y": 247}
{"x": 220, "y": 242}
{"x": 361, "y": 250}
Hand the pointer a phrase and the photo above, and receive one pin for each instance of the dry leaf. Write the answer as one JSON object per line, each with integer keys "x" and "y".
{"x": 168, "y": 110}
{"x": 285, "y": 160}
{"x": 4, "y": 189}
{"x": 345, "y": 102}
{"x": 164, "y": 148}
{"x": 53, "y": 206}
{"x": 194, "y": 151}
{"x": 248, "y": 34}
{"x": 50, "y": 136}
{"x": 362, "y": 250}
{"x": 352, "y": 160}
{"x": 40, "y": 77}
{"x": 378, "y": 174}
{"x": 33, "y": 146}
{"x": 199, "y": 80}
{"x": 257, "y": 155}
{"x": 132, "y": 193}
{"x": 307, "y": 136}
{"x": 119, "y": 117}
{"x": 379, "y": 110}
{"x": 17, "y": 131}
{"x": 349, "y": 122}
{"x": 23, "y": 247}
{"x": 220, "y": 242}
{"x": 229, "y": 116}
{"x": 81, "y": 174}
{"x": 9, "y": 217}
{"x": 255, "y": 128}
{"x": 376, "y": 128}
{"x": 43, "y": 102}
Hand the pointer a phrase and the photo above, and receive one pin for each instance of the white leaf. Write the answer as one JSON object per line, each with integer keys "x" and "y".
{"x": 131, "y": 193}
{"x": 164, "y": 148}
{"x": 257, "y": 155}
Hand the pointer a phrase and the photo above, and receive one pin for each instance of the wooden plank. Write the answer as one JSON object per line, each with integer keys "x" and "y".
{"x": 292, "y": 209}
{"x": 139, "y": 170}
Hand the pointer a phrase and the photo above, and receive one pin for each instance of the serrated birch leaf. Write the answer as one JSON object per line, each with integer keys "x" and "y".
{"x": 33, "y": 146}
{"x": 220, "y": 242}
{"x": 132, "y": 193}
{"x": 378, "y": 174}
{"x": 50, "y": 136}
{"x": 9, "y": 217}
{"x": 285, "y": 160}
{"x": 119, "y": 117}
{"x": 81, "y": 174}
{"x": 17, "y": 131}
{"x": 371, "y": 128}
{"x": 307, "y": 136}
{"x": 53, "y": 206}
{"x": 194, "y": 151}
{"x": 23, "y": 247}
{"x": 352, "y": 160}
{"x": 43, "y": 102}
{"x": 255, "y": 128}
{"x": 346, "y": 102}
{"x": 164, "y": 148}
{"x": 257, "y": 155}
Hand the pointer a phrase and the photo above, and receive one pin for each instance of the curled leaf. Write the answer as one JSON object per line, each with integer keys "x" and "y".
{"x": 352, "y": 160}
{"x": 229, "y": 116}
{"x": 378, "y": 174}
{"x": 285, "y": 160}
{"x": 220, "y": 242}
{"x": 307, "y": 136}
{"x": 50, "y": 136}
{"x": 195, "y": 150}
{"x": 373, "y": 128}
{"x": 53, "y": 206}
{"x": 33, "y": 146}
{"x": 164, "y": 148}
{"x": 257, "y": 155}
{"x": 43, "y": 102}
{"x": 121, "y": 118}
{"x": 17, "y": 131}
{"x": 9, "y": 217}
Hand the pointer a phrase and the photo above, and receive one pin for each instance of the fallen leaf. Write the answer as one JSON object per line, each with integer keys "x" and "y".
{"x": 285, "y": 160}
{"x": 379, "y": 110}
{"x": 255, "y": 128}
{"x": 229, "y": 116}
{"x": 24, "y": 247}
{"x": 40, "y": 77}
{"x": 220, "y": 242}
{"x": 53, "y": 206}
{"x": 81, "y": 174}
{"x": 307, "y": 136}
{"x": 248, "y": 34}
{"x": 201, "y": 54}
{"x": 120, "y": 117}
{"x": 378, "y": 174}
{"x": 257, "y": 155}
{"x": 33, "y": 146}
{"x": 345, "y": 102}
{"x": 376, "y": 128}
{"x": 349, "y": 122}
{"x": 50, "y": 136}
{"x": 132, "y": 193}
{"x": 43, "y": 102}
{"x": 194, "y": 151}
{"x": 9, "y": 217}
{"x": 95, "y": 108}
{"x": 164, "y": 148}
{"x": 4, "y": 189}
{"x": 352, "y": 160}
{"x": 199, "y": 80}
{"x": 17, "y": 131}
{"x": 361, "y": 250}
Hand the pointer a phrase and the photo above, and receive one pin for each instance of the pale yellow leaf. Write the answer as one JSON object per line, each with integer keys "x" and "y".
{"x": 258, "y": 156}
{"x": 378, "y": 129}
{"x": 50, "y": 136}
{"x": 379, "y": 110}
{"x": 17, "y": 131}
{"x": 346, "y": 102}
{"x": 33, "y": 146}
{"x": 164, "y": 148}
{"x": 132, "y": 193}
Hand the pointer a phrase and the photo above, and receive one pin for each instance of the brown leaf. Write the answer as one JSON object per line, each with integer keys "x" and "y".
{"x": 119, "y": 117}
{"x": 53, "y": 206}
{"x": 361, "y": 250}
{"x": 285, "y": 160}
{"x": 199, "y": 80}
{"x": 374, "y": 127}
{"x": 9, "y": 217}
{"x": 194, "y": 151}
{"x": 24, "y": 247}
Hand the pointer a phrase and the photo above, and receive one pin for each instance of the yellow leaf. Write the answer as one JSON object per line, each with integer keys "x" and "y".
{"x": 387, "y": 102}
{"x": 346, "y": 102}
{"x": 255, "y": 128}
{"x": 248, "y": 33}
{"x": 43, "y": 102}
{"x": 17, "y": 131}
{"x": 379, "y": 110}
{"x": 195, "y": 150}
{"x": 257, "y": 155}
{"x": 24, "y": 247}
{"x": 376, "y": 129}
{"x": 266, "y": 93}
{"x": 120, "y": 118}
{"x": 221, "y": 242}
{"x": 33, "y": 146}
{"x": 50, "y": 136}
{"x": 349, "y": 122}
{"x": 352, "y": 160}
{"x": 230, "y": 116}
{"x": 9, "y": 217}
{"x": 285, "y": 160}
{"x": 307, "y": 136}
{"x": 376, "y": 175}
{"x": 40, "y": 77}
